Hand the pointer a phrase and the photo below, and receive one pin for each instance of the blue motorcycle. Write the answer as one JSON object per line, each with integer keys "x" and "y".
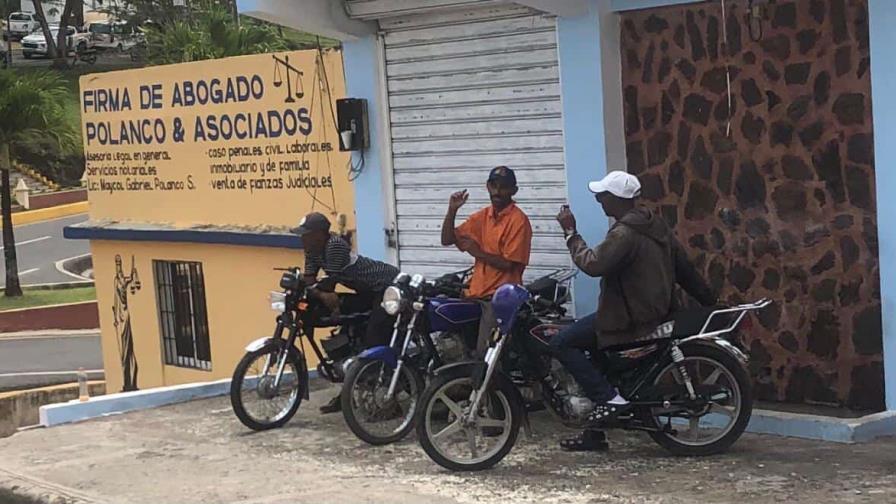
{"x": 383, "y": 383}
{"x": 687, "y": 384}
{"x": 434, "y": 327}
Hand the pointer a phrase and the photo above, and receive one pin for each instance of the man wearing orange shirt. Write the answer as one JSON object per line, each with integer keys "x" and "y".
{"x": 499, "y": 237}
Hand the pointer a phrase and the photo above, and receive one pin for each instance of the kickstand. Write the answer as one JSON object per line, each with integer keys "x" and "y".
{"x": 527, "y": 428}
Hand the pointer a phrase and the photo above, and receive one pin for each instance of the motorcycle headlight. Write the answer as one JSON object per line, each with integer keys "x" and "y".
{"x": 278, "y": 302}
{"x": 392, "y": 300}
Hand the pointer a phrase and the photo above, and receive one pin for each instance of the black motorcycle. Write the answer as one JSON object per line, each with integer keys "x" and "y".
{"x": 271, "y": 380}
{"x": 687, "y": 385}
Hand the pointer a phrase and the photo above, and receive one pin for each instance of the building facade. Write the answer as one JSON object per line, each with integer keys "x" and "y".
{"x": 195, "y": 173}
{"x": 756, "y": 133}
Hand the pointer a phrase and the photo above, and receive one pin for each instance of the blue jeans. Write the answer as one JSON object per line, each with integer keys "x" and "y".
{"x": 569, "y": 346}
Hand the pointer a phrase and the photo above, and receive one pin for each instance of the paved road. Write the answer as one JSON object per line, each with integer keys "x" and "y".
{"x": 104, "y": 60}
{"x": 39, "y": 246}
{"x": 198, "y": 452}
{"x": 44, "y": 360}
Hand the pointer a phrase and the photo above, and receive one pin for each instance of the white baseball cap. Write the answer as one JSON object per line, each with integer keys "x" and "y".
{"x": 617, "y": 183}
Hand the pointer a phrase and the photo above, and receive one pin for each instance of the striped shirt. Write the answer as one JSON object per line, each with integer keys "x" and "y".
{"x": 356, "y": 272}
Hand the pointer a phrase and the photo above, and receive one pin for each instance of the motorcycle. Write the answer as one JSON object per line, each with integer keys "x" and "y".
{"x": 271, "y": 380}
{"x": 433, "y": 326}
{"x": 687, "y": 385}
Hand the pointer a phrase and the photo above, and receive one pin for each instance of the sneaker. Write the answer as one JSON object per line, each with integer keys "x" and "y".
{"x": 608, "y": 410}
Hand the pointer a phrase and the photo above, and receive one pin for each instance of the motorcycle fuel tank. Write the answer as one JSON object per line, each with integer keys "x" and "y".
{"x": 450, "y": 314}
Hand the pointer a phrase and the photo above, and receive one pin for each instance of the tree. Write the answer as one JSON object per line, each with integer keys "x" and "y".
{"x": 60, "y": 61}
{"x": 31, "y": 106}
{"x": 210, "y": 33}
{"x": 44, "y": 26}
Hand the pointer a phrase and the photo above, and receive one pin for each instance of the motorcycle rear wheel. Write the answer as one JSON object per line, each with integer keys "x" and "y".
{"x": 246, "y": 380}
{"x": 738, "y": 410}
{"x": 362, "y": 396}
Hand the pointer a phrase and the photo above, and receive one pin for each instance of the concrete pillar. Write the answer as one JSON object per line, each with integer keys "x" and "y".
{"x": 593, "y": 130}
{"x": 374, "y": 197}
{"x": 882, "y": 16}
{"x": 22, "y": 194}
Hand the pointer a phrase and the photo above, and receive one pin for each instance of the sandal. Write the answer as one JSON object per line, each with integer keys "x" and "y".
{"x": 334, "y": 406}
{"x": 588, "y": 440}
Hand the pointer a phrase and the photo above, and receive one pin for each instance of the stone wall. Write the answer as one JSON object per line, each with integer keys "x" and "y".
{"x": 784, "y": 205}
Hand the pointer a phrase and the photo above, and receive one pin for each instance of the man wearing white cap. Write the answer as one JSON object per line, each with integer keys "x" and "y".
{"x": 639, "y": 263}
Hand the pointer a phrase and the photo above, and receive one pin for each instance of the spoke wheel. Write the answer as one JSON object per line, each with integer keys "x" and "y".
{"x": 368, "y": 414}
{"x": 257, "y": 400}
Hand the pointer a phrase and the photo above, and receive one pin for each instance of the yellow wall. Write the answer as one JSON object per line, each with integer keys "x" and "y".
{"x": 130, "y": 183}
{"x": 237, "y": 283}
{"x": 132, "y": 189}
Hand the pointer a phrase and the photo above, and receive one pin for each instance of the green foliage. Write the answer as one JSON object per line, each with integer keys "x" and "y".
{"x": 210, "y": 34}
{"x": 33, "y": 108}
{"x": 46, "y": 297}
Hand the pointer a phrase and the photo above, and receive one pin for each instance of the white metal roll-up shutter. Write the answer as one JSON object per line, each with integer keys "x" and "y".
{"x": 470, "y": 90}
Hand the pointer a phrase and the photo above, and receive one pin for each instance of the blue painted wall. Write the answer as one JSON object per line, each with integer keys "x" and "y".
{"x": 882, "y": 16}
{"x": 359, "y": 59}
{"x": 584, "y": 139}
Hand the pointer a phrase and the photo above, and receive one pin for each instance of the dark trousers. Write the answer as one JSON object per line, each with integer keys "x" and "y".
{"x": 569, "y": 346}
{"x": 379, "y": 326}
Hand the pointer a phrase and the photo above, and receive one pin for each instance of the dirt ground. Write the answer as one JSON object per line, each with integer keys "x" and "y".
{"x": 199, "y": 453}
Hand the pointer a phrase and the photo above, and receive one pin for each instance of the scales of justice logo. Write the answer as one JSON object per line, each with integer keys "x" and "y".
{"x": 282, "y": 67}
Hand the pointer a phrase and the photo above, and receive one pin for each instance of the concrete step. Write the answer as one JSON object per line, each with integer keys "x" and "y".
{"x": 33, "y": 184}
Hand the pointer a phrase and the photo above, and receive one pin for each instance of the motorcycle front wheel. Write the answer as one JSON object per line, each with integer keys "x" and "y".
{"x": 714, "y": 373}
{"x": 445, "y": 433}
{"x": 257, "y": 401}
{"x": 369, "y": 415}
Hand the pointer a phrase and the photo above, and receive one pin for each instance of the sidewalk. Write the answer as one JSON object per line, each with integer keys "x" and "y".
{"x": 198, "y": 452}
{"x": 49, "y": 333}
{"x": 45, "y": 214}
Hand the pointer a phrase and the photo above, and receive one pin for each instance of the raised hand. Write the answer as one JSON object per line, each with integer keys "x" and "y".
{"x": 566, "y": 219}
{"x": 457, "y": 200}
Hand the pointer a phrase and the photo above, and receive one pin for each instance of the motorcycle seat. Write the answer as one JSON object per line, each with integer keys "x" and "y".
{"x": 346, "y": 319}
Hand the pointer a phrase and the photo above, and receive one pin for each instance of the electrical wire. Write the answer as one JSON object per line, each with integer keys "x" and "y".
{"x": 353, "y": 171}
{"x": 326, "y": 83}
{"x": 313, "y": 194}
{"x": 727, "y": 67}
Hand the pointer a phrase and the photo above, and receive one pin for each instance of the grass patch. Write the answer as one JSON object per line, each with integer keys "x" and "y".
{"x": 10, "y": 497}
{"x": 34, "y": 298}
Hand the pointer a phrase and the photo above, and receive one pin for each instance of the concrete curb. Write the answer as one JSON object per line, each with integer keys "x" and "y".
{"x": 837, "y": 430}
{"x": 61, "y": 266}
{"x": 815, "y": 427}
{"x": 55, "y": 333}
{"x": 21, "y": 408}
{"x": 124, "y": 402}
{"x": 58, "y": 285}
{"x": 45, "y": 214}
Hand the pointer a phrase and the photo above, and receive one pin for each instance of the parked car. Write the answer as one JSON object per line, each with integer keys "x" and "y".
{"x": 36, "y": 45}
{"x": 117, "y": 35}
{"x": 22, "y": 24}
